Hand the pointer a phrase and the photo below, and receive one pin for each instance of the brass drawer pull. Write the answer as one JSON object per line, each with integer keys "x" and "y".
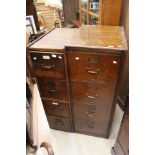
{"x": 90, "y": 115}
{"x": 48, "y": 67}
{"x": 91, "y": 97}
{"x": 52, "y": 90}
{"x": 92, "y": 71}
{"x": 55, "y": 103}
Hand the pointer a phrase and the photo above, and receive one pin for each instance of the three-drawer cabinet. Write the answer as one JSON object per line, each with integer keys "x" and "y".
{"x": 78, "y": 76}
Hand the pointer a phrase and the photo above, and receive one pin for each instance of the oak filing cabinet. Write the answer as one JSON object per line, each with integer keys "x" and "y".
{"x": 78, "y": 71}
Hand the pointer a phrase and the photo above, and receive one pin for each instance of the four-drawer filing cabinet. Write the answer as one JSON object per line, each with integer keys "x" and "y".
{"x": 78, "y": 72}
{"x": 49, "y": 70}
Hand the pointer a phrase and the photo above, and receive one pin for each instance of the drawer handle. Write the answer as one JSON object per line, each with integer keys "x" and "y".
{"x": 90, "y": 115}
{"x": 47, "y": 67}
{"x": 92, "y": 72}
{"x": 91, "y": 97}
{"x": 55, "y": 103}
{"x": 52, "y": 90}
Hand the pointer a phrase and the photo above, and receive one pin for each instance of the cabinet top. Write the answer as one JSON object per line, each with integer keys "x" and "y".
{"x": 90, "y": 36}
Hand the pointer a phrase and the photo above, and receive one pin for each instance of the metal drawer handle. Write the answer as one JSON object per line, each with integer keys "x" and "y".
{"x": 92, "y": 97}
{"x": 52, "y": 90}
{"x": 92, "y": 71}
{"x": 90, "y": 115}
{"x": 48, "y": 67}
{"x": 55, "y": 103}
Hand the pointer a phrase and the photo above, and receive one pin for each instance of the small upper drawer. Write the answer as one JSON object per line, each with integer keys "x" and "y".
{"x": 56, "y": 108}
{"x": 49, "y": 65}
{"x": 53, "y": 89}
{"x": 90, "y": 66}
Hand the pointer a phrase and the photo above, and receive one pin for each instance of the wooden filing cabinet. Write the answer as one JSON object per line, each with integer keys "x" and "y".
{"x": 93, "y": 77}
{"x": 49, "y": 69}
{"x": 78, "y": 83}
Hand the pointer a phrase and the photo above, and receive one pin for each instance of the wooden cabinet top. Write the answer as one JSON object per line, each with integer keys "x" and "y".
{"x": 91, "y": 36}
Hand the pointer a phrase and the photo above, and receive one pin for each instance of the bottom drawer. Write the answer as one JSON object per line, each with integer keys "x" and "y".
{"x": 59, "y": 123}
{"x": 90, "y": 127}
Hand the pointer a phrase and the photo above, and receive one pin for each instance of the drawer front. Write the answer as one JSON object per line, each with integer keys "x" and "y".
{"x": 91, "y": 118}
{"x": 98, "y": 67}
{"x": 53, "y": 89}
{"x": 48, "y": 65}
{"x": 59, "y": 123}
{"x": 92, "y": 92}
{"x": 123, "y": 137}
{"x": 56, "y": 108}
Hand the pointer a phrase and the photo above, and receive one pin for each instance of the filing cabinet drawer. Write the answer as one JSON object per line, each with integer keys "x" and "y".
{"x": 56, "y": 108}
{"x": 92, "y": 92}
{"x": 48, "y": 65}
{"x": 89, "y": 66}
{"x": 91, "y": 118}
{"x": 59, "y": 123}
{"x": 90, "y": 127}
{"x": 53, "y": 89}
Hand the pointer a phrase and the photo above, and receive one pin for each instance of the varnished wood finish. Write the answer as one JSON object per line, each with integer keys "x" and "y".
{"x": 53, "y": 89}
{"x": 92, "y": 92}
{"x": 56, "y": 108}
{"x": 48, "y": 65}
{"x": 111, "y": 12}
{"x": 103, "y": 37}
{"x": 91, "y": 118}
{"x": 87, "y": 76}
{"x": 94, "y": 66}
{"x": 59, "y": 123}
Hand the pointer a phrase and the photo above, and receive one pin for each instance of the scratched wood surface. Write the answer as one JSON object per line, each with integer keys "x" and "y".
{"x": 95, "y": 36}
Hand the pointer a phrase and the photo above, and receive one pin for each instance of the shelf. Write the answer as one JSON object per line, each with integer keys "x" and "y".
{"x": 93, "y": 14}
{"x": 83, "y": 9}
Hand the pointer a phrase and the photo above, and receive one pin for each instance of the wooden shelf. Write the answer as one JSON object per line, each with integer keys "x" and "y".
{"x": 93, "y": 14}
{"x": 84, "y": 10}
